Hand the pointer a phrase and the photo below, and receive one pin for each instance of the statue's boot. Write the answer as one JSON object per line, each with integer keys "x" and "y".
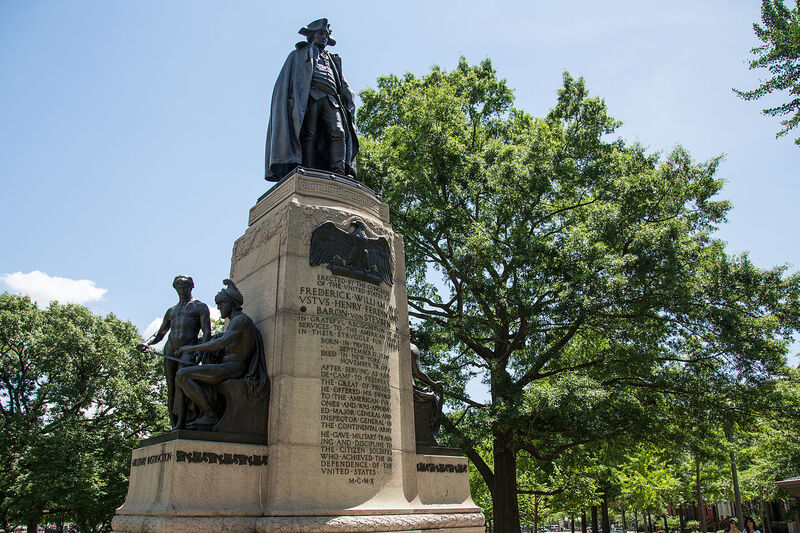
{"x": 337, "y": 153}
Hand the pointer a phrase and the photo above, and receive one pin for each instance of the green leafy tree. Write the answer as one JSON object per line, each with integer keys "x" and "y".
{"x": 580, "y": 274}
{"x": 768, "y": 450}
{"x": 780, "y": 55}
{"x": 75, "y": 397}
{"x": 478, "y": 489}
{"x": 648, "y": 480}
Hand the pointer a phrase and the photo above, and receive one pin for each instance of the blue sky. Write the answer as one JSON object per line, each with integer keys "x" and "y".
{"x": 132, "y": 133}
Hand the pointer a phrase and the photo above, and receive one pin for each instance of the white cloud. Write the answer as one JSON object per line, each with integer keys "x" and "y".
{"x": 214, "y": 313}
{"x": 43, "y": 288}
{"x": 152, "y": 327}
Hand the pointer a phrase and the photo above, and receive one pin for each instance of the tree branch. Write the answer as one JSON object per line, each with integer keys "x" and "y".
{"x": 542, "y": 492}
{"x": 533, "y": 372}
{"x": 464, "y": 399}
{"x": 469, "y": 449}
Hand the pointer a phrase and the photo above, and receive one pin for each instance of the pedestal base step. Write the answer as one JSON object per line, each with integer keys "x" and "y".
{"x": 405, "y": 523}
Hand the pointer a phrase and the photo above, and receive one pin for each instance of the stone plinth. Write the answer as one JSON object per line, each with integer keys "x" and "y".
{"x": 340, "y": 433}
{"x": 337, "y": 353}
{"x": 197, "y": 478}
{"x": 442, "y": 480}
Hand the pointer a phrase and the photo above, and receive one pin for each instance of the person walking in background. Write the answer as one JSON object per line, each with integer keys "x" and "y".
{"x": 730, "y": 525}
{"x": 750, "y": 525}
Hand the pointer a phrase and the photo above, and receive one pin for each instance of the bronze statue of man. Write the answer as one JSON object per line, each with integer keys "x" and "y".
{"x": 242, "y": 357}
{"x": 427, "y": 400}
{"x": 184, "y": 321}
{"x": 312, "y": 116}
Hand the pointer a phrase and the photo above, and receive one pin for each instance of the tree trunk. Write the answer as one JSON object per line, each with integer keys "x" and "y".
{"x": 504, "y": 495}
{"x": 604, "y": 513}
{"x": 701, "y": 509}
{"x": 681, "y": 519}
{"x": 535, "y": 513}
{"x": 624, "y": 523}
{"x": 766, "y": 523}
{"x": 666, "y": 528}
{"x": 583, "y": 520}
{"x": 595, "y": 527}
{"x": 572, "y": 523}
{"x": 636, "y": 519}
{"x": 33, "y": 525}
{"x": 735, "y": 478}
{"x": 649, "y": 521}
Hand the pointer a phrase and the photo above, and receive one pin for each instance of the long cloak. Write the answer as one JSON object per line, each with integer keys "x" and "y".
{"x": 288, "y": 108}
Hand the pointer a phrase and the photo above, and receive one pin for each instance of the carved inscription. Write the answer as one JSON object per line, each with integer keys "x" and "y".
{"x": 150, "y": 459}
{"x": 203, "y": 457}
{"x": 357, "y": 330}
{"x": 441, "y": 467}
{"x": 220, "y": 458}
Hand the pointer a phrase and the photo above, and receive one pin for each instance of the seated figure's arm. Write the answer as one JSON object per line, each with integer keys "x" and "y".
{"x": 231, "y": 335}
{"x": 417, "y": 372}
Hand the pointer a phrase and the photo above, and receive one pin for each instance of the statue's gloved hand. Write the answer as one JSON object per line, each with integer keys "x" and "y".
{"x": 142, "y": 347}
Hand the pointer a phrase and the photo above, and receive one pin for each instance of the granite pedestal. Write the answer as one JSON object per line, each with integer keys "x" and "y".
{"x": 340, "y": 453}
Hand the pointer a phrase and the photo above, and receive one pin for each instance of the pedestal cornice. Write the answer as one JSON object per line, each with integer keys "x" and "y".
{"x": 321, "y": 186}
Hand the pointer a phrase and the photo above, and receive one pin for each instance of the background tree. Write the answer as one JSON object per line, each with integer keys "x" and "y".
{"x": 580, "y": 274}
{"x": 75, "y": 397}
{"x": 769, "y": 449}
{"x": 648, "y": 480}
{"x": 780, "y": 55}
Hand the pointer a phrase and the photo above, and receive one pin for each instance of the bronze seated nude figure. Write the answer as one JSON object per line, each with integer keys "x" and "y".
{"x": 231, "y": 388}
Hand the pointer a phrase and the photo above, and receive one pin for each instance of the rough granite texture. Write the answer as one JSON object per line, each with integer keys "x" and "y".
{"x": 183, "y": 524}
{"x": 369, "y": 524}
{"x": 456, "y": 523}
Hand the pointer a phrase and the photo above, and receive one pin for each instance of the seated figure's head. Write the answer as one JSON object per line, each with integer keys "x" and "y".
{"x": 228, "y": 299}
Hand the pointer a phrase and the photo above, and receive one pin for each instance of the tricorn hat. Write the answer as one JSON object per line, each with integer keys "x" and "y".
{"x": 318, "y": 25}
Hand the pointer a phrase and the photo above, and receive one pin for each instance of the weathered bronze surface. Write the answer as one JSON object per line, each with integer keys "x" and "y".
{"x": 215, "y": 436}
{"x": 231, "y": 387}
{"x": 354, "y": 254}
{"x": 427, "y": 402}
{"x": 183, "y": 321}
{"x": 312, "y": 115}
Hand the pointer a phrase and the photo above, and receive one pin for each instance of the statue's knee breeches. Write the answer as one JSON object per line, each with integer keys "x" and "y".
{"x": 334, "y": 123}
{"x": 308, "y": 130}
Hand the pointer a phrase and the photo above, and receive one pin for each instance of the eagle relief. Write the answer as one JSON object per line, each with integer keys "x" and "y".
{"x": 352, "y": 254}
